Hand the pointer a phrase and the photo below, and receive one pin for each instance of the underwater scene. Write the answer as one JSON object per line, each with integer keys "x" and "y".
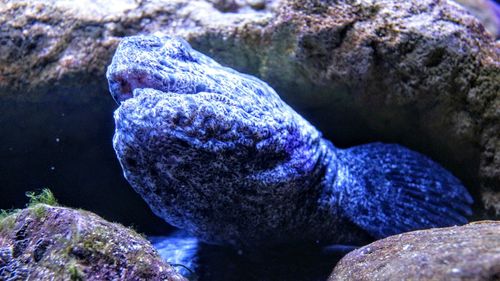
{"x": 249, "y": 140}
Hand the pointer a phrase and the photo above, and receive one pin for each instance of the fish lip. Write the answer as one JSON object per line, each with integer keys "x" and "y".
{"x": 123, "y": 79}
{"x": 148, "y": 62}
{"x": 123, "y": 82}
{"x": 120, "y": 90}
{"x": 123, "y": 85}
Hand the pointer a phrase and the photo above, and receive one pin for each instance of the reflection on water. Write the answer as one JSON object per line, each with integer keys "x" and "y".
{"x": 199, "y": 261}
{"x": 178, "y": 249}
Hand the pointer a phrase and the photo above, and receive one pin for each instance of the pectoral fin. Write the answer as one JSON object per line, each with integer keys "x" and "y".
{"x": 387, "y": 189}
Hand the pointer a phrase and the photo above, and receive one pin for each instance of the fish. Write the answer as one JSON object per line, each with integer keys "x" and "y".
{"x": 219, "y": 154}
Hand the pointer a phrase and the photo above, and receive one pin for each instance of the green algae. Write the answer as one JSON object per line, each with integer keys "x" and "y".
{"x": 75, "y": 273}
{"x": 8, "y": 219}
{"x": 37, "y": 204}
{"x": 45, "y": 196}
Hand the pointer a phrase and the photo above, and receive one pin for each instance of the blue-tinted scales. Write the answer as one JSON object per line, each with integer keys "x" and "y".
{"x": 219, "y": 154}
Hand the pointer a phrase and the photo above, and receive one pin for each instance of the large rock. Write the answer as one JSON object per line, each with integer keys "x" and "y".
{"x": 47, "y": 41}
{"x": 470, "y": 252}
{"x": 45, "y": 242}
{"x": 424, "y": 74}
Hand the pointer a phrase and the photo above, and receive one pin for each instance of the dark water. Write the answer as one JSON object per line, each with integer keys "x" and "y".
{"x": 199, "y": 261}
{"x": 60, "y": 138}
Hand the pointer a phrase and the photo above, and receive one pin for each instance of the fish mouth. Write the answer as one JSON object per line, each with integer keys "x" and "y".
{"x": 120, "y": 90}
{"x": 122, "y": 83}
{"x": 165, "y": 65}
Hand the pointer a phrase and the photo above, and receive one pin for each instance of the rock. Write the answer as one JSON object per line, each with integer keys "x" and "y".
{"x": 46, "y": 242}
{"x": 470, "y": 252}
{"x": 420, "y": 73}
{"x": 51, "y": 40}
{"x": 487, "y": 11}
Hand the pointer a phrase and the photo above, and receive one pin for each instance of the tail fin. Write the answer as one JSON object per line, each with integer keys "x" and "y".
{"x": 387, "y": 189}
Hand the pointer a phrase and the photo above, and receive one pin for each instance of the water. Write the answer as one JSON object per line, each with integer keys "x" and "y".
{"x": 199, "y": 261}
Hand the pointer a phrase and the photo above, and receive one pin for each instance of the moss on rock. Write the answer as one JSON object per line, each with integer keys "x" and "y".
{"x": 56, "y": 243}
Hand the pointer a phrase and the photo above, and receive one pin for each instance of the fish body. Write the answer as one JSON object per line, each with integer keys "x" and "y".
{"x": 219, "y": 154}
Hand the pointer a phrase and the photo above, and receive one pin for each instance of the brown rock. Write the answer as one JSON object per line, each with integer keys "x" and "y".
{"x": 46, "y": 41}
{"x": 470, "y": 252}
{"x": 45, "y": 242}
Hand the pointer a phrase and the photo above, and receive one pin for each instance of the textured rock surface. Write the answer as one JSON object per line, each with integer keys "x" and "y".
{"x": 470, "y": 252}
{"x": 487, "y": 11}
{"x": 50, "y": 40}
{"x": 421, "y": 73}
{"x": 55, "y": 243}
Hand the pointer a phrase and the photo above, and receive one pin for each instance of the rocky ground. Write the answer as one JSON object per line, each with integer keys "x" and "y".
{"x": 470, "y": 252}
{"x": 45, "y": 242}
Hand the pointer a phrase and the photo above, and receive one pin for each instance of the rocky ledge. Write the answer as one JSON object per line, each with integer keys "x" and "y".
{"x": 44, "y": 242}
{"x": 470, "y": 252}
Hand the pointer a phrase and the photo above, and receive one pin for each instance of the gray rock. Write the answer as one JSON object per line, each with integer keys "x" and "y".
{"x": 470, "y": 252}
{"x": 45, "y": 242}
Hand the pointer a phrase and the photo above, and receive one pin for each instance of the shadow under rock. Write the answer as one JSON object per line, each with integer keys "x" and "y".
{"x": 199, "y": 261}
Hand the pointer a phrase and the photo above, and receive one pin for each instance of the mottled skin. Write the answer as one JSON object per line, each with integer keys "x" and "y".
{"x": 218, "y": 153}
